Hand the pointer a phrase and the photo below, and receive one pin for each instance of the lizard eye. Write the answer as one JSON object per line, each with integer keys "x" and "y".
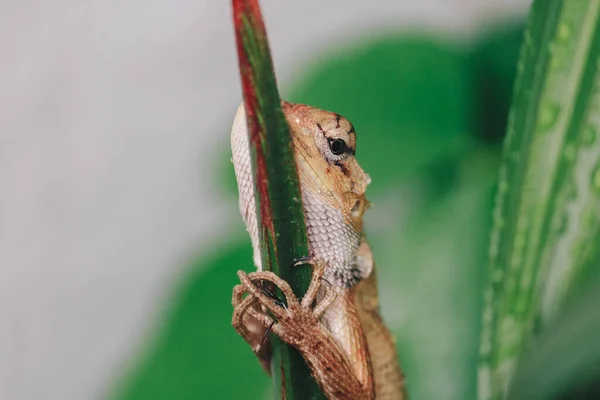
{"x": 337, "y": 146}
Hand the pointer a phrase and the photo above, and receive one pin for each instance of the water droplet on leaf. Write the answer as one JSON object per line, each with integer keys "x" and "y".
{"x": 547, "y": 116}
{"x": 589, "y": 136}
{"x": 565, "y": 30}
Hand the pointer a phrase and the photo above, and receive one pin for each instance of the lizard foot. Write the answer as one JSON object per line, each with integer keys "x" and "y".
{"x": 296, "y": 322}
{"x": 290, "y": 320}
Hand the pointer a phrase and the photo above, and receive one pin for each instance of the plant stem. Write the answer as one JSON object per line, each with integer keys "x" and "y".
{"x": 277, "y": 189}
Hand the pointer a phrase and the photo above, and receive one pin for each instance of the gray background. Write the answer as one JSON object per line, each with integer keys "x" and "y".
{"x": 112, "y": 117}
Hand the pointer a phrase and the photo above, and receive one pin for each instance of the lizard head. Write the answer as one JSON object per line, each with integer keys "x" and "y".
{"x": 325, "y": 145}
{"x": 333, "y": 186}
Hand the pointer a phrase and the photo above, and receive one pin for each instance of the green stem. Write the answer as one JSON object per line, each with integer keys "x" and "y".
{"x": 277, "y": 189}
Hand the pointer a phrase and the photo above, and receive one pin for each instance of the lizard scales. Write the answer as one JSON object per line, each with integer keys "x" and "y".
{"x": 333, "y": 187}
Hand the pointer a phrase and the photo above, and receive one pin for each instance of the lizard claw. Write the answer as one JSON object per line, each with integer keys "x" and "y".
{"x": 328, "y": 295}
{"x": 302, "y": 260}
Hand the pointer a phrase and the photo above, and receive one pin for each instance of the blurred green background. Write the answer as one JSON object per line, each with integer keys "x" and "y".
{"x": 430, "y": 115}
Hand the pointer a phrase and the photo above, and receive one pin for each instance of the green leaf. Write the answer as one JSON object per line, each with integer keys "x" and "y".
{"x": 566, "y": 355}
{"x": 388, "y": 88}
{"x": 282, "y": 229}
{"x": 493, "y": 63}
{"x": 195, "y": 352}
{"x": 547, "y": 213}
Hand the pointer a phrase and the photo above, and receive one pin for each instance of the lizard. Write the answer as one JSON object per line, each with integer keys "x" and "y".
{"x": 336, "y": 326}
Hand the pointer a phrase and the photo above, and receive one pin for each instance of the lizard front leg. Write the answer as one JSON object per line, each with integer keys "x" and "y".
{"x": 297, "y": 324}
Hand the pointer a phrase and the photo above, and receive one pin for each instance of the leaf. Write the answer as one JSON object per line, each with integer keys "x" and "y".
{"x": 282, "y": 228}
{"x": 566, "y": 355}
{"x": 388, "y": 88}
{"x": 195, "y": 353}
{"x": 493, "y": 63}
{"x": 547, "y": 213}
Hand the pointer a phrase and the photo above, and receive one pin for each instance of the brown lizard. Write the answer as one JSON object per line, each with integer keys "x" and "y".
{"x": 336, "y": 326}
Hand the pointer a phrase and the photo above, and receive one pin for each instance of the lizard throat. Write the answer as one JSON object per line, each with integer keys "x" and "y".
{"x": 333, "y": 240}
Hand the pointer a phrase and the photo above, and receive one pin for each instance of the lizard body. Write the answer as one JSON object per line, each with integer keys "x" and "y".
{"x": 350, "y": 352}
